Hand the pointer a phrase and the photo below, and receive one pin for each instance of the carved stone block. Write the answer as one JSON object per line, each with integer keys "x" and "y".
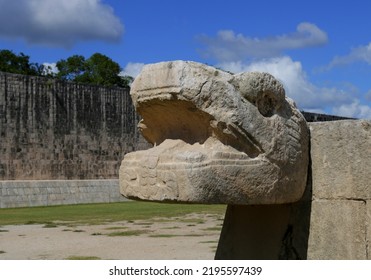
{"x": 218, "y": 138}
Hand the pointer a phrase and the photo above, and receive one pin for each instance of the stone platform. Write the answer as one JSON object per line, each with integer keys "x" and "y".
{"x": 58, "y": 192}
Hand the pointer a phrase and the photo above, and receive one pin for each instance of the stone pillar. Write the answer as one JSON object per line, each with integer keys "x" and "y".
{"x": 253, "y": 232}
{"x": 341, "y": 167}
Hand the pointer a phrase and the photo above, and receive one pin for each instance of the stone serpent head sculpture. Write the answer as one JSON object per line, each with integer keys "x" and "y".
{"x": 218, "y": 138}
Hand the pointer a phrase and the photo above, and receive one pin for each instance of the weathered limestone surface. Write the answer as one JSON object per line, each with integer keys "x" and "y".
{"x": 219, "y": 138}
{"x": 333, "y": 218}
{"x": 368, "y": 229}
{"x": 338, "y": 230}
{"x": 341, "y": 160}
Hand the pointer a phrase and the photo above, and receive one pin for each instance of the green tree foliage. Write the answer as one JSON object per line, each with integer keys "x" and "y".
{"x": 19, "y": 64}
{"x": 97, "y": 69}
{"x": 72, "y": 68}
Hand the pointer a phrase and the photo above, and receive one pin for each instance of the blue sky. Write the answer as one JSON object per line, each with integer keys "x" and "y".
{"x": 320, "y": 50}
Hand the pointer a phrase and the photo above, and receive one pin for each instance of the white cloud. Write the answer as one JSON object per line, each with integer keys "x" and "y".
{"x": 306, "y": 95}
{"x": 232, "y": 51}
{"x": 50, "y": 68}
{"x": 59, "y": 23}
{"x": 228, "y": 46}
{"x": 361, "y": 53}
{"x": 132, "y": 69}
{"x": 354, "y": 109}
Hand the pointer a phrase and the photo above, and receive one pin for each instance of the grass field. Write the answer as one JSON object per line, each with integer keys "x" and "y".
{"x": 102, "y": 212}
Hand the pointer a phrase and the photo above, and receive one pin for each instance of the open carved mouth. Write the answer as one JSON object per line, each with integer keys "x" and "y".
{"x": 179, "y": 119}
{"x": 211, "y": 145}
{"x": 189, "y": 150}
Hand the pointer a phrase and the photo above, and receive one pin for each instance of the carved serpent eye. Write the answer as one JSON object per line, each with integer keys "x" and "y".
{"x": 267, "y": 104}
{"x": 262, "y": 90}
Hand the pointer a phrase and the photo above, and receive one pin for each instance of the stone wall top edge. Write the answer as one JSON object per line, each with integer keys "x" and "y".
{"x": 55, "y": 80}
{"x": 340, "y": 124}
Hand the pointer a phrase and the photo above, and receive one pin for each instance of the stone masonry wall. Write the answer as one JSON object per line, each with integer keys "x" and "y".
{"x": 51, "y": 129}
{"x": 30, "y": 193}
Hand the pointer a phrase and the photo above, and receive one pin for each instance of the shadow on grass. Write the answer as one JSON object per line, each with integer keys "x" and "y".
{"x": 89, "y": 258}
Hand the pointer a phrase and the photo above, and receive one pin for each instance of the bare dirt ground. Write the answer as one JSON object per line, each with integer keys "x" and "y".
{"x": 192, "y": 237}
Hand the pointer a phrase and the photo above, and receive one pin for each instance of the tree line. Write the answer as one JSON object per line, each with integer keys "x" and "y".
{"x": 98, "y": 69}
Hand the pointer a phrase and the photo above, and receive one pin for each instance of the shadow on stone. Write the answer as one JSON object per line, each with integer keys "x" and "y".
{"x": 267, "y": 232}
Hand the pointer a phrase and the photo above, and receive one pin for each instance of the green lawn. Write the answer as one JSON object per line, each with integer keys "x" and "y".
{"x": 102, "y": 212}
